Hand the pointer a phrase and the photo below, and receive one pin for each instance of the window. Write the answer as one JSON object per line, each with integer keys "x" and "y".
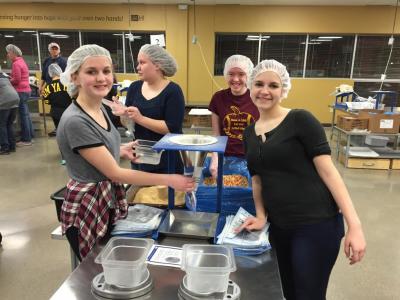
{"x": 287, "y": 49}
{"x": 227, "y": 45}
{"x": 329, "y": 56}
{"x": 372, "y": 53}
{"x": 26, "y": 41}
{"x": 133, "y": 43}
{"x": 68, "y": 41}
{"x": 112, "y": 41}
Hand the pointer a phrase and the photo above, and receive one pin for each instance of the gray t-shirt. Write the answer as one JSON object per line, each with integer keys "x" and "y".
{"x": 77, "y": 130}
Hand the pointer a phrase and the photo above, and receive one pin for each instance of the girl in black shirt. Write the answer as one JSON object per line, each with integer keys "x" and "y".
{"x": 297, "y": 188}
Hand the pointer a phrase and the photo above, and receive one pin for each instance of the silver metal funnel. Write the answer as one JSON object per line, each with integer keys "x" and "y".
{"x": 193, "y": 162}
{"x": 192, "y": 159}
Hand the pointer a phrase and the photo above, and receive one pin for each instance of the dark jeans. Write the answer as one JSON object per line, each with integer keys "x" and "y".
{"x": 306, "y": 255}
{"x": 7, "y": 135}
{"x": 25, "y": 118}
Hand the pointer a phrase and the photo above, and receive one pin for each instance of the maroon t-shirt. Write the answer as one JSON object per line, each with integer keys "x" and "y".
{"x": 235, "y": 114}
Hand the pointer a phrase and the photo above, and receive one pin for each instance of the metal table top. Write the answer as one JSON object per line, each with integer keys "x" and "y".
{"x": 257, "y": 277}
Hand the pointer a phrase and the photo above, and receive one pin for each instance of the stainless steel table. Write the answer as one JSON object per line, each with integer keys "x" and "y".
{"x": 257, "y": 277}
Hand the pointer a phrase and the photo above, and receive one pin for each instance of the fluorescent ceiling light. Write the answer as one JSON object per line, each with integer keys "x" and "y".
{"x": 60, "y": 36}
{"x": 28, "y": 31}
{"x": 46, "y": 33}
{"x": 253, "y": 36}
{"x": 319, "y": 40}
{"x": 330, "y": 37}
{"x": 265, "y": 36}
{"x": 311, "y": 43}
{"x": 135, "y": 37}
{"x": 8, "y": 36}
{"x": 117, "y": 34}
{"x": 252, "y": 40}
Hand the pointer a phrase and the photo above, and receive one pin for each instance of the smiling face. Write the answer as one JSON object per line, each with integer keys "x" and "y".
{"x": 95, "y": 77}
{"x": 146, "y": 69}
{"x": 237, "y": 79}
{"x": 266, "y": 90}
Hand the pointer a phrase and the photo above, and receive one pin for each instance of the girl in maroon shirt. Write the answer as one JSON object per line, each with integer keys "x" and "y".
{"x": 232, "y": 108}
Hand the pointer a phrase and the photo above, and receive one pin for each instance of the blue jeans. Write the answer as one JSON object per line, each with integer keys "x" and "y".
{"x": 25, "y": 118}
{"x": 7, "y": 135}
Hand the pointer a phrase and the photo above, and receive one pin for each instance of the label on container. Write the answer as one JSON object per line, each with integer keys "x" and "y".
{"x": 385, "y": 123}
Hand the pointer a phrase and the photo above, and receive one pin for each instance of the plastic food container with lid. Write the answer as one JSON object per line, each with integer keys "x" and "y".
{"x": 124, "y": 261}
{"x": 207, "y": 267}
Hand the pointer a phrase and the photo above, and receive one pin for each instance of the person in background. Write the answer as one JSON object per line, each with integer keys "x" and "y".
{"x": 156, "y": 104}
{"x": 232, "y": 108}
{"x": 95, "y": 197}
{"x": 9, "y": 100}
{"x": 56, "y": 94}
{"x": 297, "y": 189}
{"x": 20, "y": 81}
{"x": 54, "y": 58}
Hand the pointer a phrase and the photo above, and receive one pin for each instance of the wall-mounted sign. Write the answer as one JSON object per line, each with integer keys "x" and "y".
{"x": 137, "y": 18}
{"x": 157, "y": 39}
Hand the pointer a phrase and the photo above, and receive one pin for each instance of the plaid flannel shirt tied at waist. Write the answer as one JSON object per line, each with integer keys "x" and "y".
{"x": 87, "y": 207}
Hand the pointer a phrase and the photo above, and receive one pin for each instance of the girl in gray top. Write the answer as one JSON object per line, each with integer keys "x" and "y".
{"x": 95, "y": 198}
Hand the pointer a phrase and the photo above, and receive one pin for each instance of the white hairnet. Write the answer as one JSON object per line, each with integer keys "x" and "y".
{"x": 160, "y": 57}
{"x": 54, "y": 70}
{"x": 273, "y": 66}
{"x": 14, "y": 49}
{"x": 238, "y": 61}
{"x": 52, "y": 44}
{"x": 75, "y": 61}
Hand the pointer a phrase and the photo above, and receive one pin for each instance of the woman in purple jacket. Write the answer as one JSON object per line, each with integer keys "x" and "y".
{"x": 20, "y": 81}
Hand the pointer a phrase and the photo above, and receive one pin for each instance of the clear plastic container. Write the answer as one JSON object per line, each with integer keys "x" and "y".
{"x": 207, "y": 267}
{"x": 146, "y": 155}
{"x": 124, "y": 260}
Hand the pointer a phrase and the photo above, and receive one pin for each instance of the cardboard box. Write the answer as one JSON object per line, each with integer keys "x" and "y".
{"x": 382, "y": 123}
{"x": 349, "y": 123}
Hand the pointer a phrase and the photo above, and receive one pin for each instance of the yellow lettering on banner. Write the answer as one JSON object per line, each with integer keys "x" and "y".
{"x": 58, "y": 89}
{"x": 54, "y": 86}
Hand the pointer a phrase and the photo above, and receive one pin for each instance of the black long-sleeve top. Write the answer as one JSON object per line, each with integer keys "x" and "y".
{"x": 293, "y": 193}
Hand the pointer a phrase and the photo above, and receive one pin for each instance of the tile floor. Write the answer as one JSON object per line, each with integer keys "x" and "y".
{"x": 33, "y": 266}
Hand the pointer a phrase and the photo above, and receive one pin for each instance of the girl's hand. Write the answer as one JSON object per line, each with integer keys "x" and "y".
{"x": 252, "y": 223}
{"x": 354, "y": 244}
{"x": 118, "y": 109}
{"x": 181, "y": 183}
{"x": 126, "y": 151}
{"x": 134, "y": 113}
